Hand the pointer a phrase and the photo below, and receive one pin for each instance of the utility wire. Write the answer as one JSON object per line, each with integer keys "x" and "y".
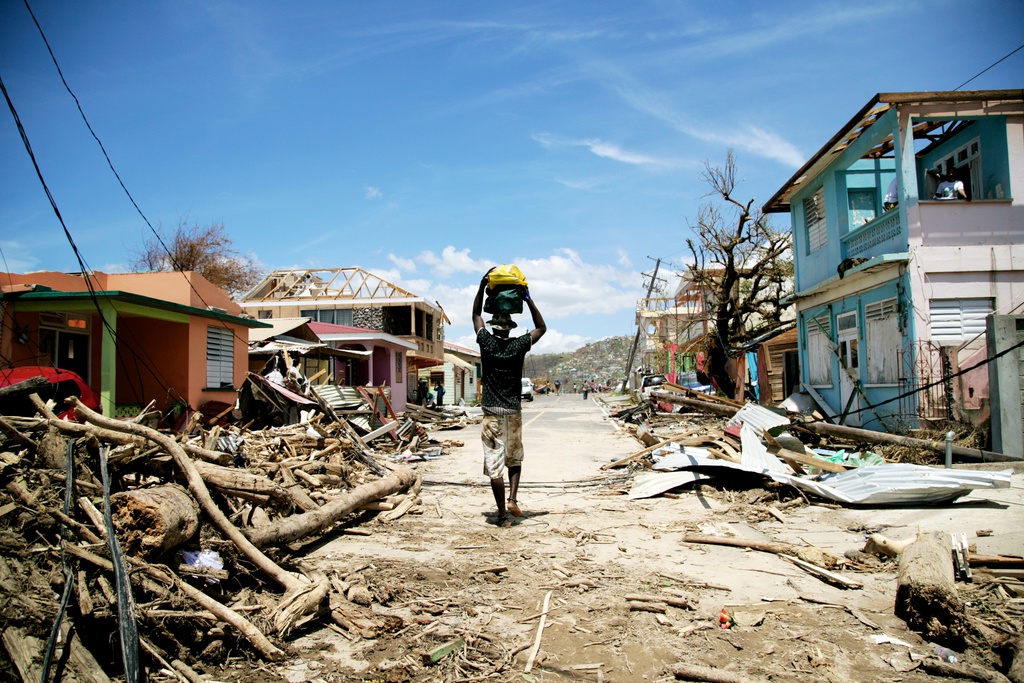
{"x": 989, "y": 67}
{"x": 85, "y": 119}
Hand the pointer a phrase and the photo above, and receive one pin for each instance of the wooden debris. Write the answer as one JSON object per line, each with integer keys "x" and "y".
{"x": 694, "y": 672}
{"x": 540, "y": 633}
{"x": 815, "y": 556}
{"x": 926, "y": 594}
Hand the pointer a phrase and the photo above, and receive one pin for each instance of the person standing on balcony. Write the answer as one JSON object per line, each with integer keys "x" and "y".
{"x": 950, "y": 188}
{"x": 892, "y": 197}
{"x": 502, "y": 429}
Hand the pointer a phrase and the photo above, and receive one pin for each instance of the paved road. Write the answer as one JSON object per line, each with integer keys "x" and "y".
{"x": 566, "y": 440}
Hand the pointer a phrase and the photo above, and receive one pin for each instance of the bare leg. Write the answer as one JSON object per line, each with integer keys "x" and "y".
{"x": 513, "y": 481}
{"x": 513, "y": 490}
{"x": 498, "y": 489}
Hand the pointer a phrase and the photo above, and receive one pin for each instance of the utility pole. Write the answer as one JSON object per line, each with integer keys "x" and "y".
{"x": 636, "y": 339}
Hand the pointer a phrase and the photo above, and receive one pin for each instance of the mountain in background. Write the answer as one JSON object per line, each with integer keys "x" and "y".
{"x": 601, "y": 361}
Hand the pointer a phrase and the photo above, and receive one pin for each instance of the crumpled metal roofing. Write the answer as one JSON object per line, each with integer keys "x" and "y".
{"x": 890, "y": 484}
{"x": 897, "y": 484}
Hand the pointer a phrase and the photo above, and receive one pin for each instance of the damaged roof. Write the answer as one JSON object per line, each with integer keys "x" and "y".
{"x": 961, "y": 104}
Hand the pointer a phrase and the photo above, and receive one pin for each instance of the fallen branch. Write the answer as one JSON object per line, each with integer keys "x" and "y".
{"x": 815, "y": 556}
{"x": 693, "y": 672}
{"x": 303, "y": 524}
{"x": 293, "y": 584}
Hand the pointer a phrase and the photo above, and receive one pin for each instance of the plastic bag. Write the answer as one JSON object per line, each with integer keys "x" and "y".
{"x": 506, "y": 275}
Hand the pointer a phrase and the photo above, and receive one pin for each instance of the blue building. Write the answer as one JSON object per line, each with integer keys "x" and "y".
{"x": 892, "y": 293}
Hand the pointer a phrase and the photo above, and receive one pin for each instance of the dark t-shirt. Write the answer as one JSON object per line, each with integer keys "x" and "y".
{"x": 502, "y": 379}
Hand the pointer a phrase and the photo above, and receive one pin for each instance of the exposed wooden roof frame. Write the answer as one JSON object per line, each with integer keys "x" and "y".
{"x": 878, "y": 106}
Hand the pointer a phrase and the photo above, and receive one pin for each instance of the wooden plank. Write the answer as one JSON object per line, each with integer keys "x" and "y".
{"x": 650, "y": 449}
{"x": 822, "y": 403}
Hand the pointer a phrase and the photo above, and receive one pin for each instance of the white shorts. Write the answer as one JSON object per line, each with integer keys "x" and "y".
{"x": 502, "y": 436}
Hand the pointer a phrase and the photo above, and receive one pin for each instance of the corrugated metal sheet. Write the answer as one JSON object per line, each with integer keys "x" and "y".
{"x": 898, "y": 484}
{"x": 648, "y": 484}
{"x": 890, "y": 484}
{"x": 758, "y": 417}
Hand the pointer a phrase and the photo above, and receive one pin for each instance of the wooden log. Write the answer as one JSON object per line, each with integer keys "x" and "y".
{"x": 232, "y": 481}
{"x": 700, "y": 404}
{"x": 303, "y": 524}
{"x": 815, "y": 556}
{"x": 152, "y": 521}
{"x": 693, "y": 672}
{"x": 296, "y": 588}
{"x": 868, "y": 436}
{"x": 14, "y": 435}
{"x": 650, "y": 449}
{"x": 926, "y": 594}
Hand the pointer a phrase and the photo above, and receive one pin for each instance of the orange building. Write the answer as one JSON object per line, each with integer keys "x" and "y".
{"x": 169, "y": 337}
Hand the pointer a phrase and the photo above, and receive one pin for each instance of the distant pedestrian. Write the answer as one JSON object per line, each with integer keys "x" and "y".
{"x": 574, "y": 389}
{"x": 558, "y": 386}
{"x": 439, "y": 392}
{"x": 421, "y": 392}
{"x": 586, "y": 390}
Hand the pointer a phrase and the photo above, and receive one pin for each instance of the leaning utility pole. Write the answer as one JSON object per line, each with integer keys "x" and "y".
{"x": 636, "y": 339}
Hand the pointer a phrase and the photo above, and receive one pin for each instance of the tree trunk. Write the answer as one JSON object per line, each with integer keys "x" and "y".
{"x": 926, "y": 595}
{"x": 150, "y": 522}
{"x": 297, "y": 526}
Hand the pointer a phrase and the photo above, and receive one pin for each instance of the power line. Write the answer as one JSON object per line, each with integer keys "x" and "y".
{"x": 85, "y": 119}
{"x": 989, "y": 67}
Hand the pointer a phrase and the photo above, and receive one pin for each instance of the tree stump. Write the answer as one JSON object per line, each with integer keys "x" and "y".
{"x": 150, "y": 522}
{"x": 926, "y": 594}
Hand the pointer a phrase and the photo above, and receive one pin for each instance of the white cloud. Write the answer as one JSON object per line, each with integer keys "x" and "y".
{"x": 373, "y": 193}
{"x": 452, "y": 261}
{"x": 579, "y": 184}
{"x": 404, "y": 264}
{"x": 746, "y": 137}
{"x": 17, "y": 257}
{"x": 608, "y": 150}
{"x": 554, "y": 341}
{"x": 562, "y": 284}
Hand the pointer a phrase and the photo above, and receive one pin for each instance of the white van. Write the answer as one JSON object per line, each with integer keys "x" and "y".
{"x": 527, "y": 393}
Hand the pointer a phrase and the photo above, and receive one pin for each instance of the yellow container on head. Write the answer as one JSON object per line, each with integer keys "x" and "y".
{"x": 508, "y": 274}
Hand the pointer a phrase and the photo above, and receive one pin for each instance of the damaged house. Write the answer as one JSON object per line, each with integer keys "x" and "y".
{"x": 353, "y": 309}
{"x": 894, "y": 282}
{"x": 172, "y": 338}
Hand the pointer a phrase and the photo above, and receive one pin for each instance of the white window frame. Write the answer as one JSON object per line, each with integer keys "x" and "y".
{"x": 220, "y": 358}
{"x": 883, "y": 341}
{"x": 819, "y": 351}
{"x": 814, "y": 221}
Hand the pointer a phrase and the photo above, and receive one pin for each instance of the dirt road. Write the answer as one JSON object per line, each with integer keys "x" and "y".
{"x": 450, "y": 573}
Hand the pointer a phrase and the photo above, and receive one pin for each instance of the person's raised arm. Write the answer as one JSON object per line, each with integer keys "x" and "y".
{"x": 478, "y": 305}
{"x": 539, "y": 328}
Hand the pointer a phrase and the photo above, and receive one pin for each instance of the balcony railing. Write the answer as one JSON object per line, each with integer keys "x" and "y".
{"x": 882, "y": 229}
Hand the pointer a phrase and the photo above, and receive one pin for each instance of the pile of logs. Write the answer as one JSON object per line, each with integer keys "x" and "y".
{"x": 81, "y": 495}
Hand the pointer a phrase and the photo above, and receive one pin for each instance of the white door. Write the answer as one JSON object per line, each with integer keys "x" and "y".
{"x": 849, "y": 367}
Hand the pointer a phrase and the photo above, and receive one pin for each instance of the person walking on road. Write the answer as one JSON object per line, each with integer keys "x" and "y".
{"x": 502, "y": 429}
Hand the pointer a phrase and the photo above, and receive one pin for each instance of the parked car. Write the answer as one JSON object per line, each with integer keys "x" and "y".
{"x": 527, "y": 394}
{"x": 650, "y": 382}
{"x": 62, "y": 384}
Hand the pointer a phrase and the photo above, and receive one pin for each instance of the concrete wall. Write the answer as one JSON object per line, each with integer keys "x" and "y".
{"x": 1006, "y": 382}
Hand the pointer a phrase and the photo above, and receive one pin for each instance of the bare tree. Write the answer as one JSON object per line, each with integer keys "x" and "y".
{"x": 744, "y": 268}
{"x": 206, "y": 250}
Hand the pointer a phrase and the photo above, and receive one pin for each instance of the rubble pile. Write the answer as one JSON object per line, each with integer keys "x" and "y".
{"x": 946, "y": 591}
{"x": 204, "y": 526}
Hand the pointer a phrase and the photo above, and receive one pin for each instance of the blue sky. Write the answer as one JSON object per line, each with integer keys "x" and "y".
{"x": 426, "y": 141}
